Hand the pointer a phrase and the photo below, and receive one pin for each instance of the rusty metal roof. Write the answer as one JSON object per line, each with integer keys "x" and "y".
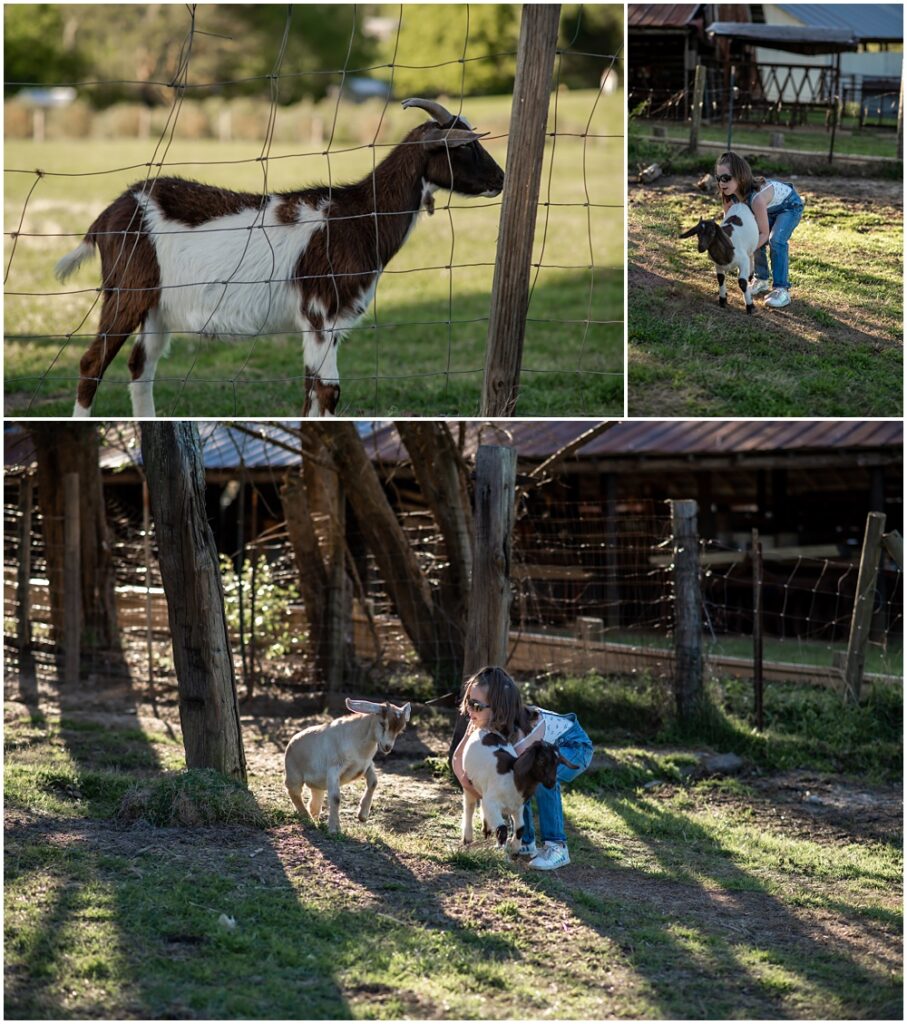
{"x": 537, "y": 439}
{"x": 661, "y": 15}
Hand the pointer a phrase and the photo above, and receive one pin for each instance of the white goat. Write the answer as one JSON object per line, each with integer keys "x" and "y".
{"x": 505, "y": 780}
{"x": 731, "y": 246}
{"x": 179, "y": 256}
{"x": 326, "y": 757}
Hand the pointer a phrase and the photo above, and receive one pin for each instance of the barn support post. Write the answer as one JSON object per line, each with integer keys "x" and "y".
{"x": 525, "y": 149}
{"x": 27, "y": 678}
{"x": 698, "y": 99}
{"x": 863, "y": 603}
{"x": 488, "y": 621}
{"x": 757, "y": 631}
{"x": 687, "y": 611}
{"x": 900, "y": 118}
{"x": 72, "y": 581}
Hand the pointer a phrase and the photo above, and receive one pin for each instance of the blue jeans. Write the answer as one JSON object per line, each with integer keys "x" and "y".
{"x": 782, "y": 219}
{"x": 576, "y": 747}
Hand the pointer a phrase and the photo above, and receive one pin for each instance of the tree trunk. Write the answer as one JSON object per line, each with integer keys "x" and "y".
{"x": 441, "y": 475}
{"x": 407, "y": 586}
{"x": 209, "y": 710}
{"x": 75, "y": 448}
{"x": 311, "y": 498}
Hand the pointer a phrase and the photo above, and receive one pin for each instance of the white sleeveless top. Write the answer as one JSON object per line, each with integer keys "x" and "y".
{"x": 782, "y": 191}
{"x": 550, "y": 727}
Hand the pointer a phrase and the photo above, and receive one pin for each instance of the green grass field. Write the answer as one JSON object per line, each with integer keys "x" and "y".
{"x": 772, "y": 895}
{"x": 836, "y": 351}
{"x": 420, "y": 349}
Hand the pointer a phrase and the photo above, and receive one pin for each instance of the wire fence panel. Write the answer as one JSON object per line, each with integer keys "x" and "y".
{"x": 593, "y": 592}
{"x": 419, "y": 347}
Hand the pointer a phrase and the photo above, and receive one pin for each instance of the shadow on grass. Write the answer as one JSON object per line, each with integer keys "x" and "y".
{"x": 424, "y": 358}
{"x": 724, "y": 947}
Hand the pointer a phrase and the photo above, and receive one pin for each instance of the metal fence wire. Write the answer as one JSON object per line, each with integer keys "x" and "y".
{"x": 591, "y": 592}
{"x": 589, "y": 334}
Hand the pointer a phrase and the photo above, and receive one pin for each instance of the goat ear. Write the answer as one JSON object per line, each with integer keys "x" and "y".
{"x": 363, "y": 707}
{"x": 438, "y": 138}
{"x": 692, "y": 231}
{"x": 563, "y": 760}
{"x": 407, "y": 710}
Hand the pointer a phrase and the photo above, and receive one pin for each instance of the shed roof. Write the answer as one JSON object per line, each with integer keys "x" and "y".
{"x": 793, "y": 38}
{"x": 661, "y": 15}
{"x": 537, "y": 439}
{"x": 868, "y": 22}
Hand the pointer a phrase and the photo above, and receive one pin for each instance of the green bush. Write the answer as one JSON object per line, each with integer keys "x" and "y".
{"x": 272, "y": 624}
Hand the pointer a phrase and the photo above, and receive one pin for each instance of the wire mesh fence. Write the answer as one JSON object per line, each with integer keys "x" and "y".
{"x": 420, "y": 346}
{"x": 592, "y": 591}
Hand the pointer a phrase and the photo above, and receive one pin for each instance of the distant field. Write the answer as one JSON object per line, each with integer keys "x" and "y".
{"x": 419, "y": 349}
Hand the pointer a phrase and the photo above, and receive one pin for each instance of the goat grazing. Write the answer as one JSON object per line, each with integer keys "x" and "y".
{"x": 179, "y": 256}
{"x": 505, "y": 781}
{"x": 731, "y": 246}
{"x": 326, "y": 757}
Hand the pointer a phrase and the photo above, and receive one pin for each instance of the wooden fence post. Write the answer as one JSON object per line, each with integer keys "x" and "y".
{"x": 72, "y": 581}
{"x": 525, "y": 149}
{"x": 23, "y": 588}
{"x": 698, "y": 97}
{"x": 489, "y": 606}
{"x": 687, "y": 610}
{"x": 861, "y": 620}
{"x": 149, "y": 612}
{"x": 757, "y": 630}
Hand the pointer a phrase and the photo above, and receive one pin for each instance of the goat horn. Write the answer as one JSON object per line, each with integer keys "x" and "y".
{"x": 439, "y": 113}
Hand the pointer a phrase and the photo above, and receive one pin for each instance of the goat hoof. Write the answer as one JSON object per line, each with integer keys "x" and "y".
{"x": 722, "y": 303}
{"x": 749, "y": 310}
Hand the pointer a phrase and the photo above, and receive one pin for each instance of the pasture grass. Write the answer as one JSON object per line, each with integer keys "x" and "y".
{"x": 685, "y": 897}
{"x": 836, "y": 351}
{"x": 420, "y": 348}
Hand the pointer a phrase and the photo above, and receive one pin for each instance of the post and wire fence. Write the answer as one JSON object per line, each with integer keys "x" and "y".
{"x": 631, "y": 591}
{"x": 427, "y": 343}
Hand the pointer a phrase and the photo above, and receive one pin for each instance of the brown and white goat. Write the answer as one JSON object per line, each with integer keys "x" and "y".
{"x": 505, "y": 780}
{"x": 731, "y": 246}
{"x": 179, "y": 256}
{"x": 326, "y": 757}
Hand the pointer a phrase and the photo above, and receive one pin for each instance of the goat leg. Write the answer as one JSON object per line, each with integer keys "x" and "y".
{"x": 371, "y": 781}
{"x": 747, "y": 294}
{"x": 334, "y": 800}
{"x": 469, "y": 810}
{"x": 722, "y": 291}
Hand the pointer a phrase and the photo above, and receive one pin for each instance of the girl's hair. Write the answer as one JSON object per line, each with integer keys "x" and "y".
{"x": 508, "y": 712}
{"x": 742, "y": 171}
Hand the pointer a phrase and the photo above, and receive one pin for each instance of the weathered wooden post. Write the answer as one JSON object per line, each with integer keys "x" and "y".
{"x": 489, "y": 606}
{"x": 757, "y": 630}
{"x": 206, "y": 680}
{"x": 23, "y": 588}
{"x": 861, "y": 620}
{"x": 687, "y": 610}
{"x": 698, "y": 97}
{"x": 72, "y": 581}
{"x": 525, "y": 148}
{"x": 149, "y": 612}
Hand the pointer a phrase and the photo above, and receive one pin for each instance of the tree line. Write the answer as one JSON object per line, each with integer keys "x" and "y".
{"x": 131, "y": 52}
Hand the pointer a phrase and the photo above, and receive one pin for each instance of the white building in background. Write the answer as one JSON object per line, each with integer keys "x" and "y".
{"x": 874, "y": 70}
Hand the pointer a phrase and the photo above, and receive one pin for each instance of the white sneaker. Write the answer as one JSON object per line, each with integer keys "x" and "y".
{"x": 778, "y": 298}
{"x": 759, "y": 286}
{"x": 527, "y": 850}
{"x": 553, "y": 856}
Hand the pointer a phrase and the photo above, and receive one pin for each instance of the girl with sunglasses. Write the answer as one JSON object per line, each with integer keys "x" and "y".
{"x": 492, "y": 701}
{"x": 777, "y": 208}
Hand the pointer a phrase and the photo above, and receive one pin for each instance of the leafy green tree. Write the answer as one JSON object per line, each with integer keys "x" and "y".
{"x": 34, "y": 46}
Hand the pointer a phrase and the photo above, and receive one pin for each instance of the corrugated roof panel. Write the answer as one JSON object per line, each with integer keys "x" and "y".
{"x": 661, "y": 15}
{"x": 866, "y": 21}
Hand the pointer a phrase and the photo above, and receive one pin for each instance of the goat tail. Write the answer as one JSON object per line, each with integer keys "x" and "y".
{"x": 73, "y": 260}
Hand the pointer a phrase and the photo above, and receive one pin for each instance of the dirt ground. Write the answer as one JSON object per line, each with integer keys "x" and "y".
{"x": 833, "y": 811}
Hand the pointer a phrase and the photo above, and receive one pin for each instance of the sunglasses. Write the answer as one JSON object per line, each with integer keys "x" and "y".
{"x": 725, "y": 178}
{"x": 476, "y": 705}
